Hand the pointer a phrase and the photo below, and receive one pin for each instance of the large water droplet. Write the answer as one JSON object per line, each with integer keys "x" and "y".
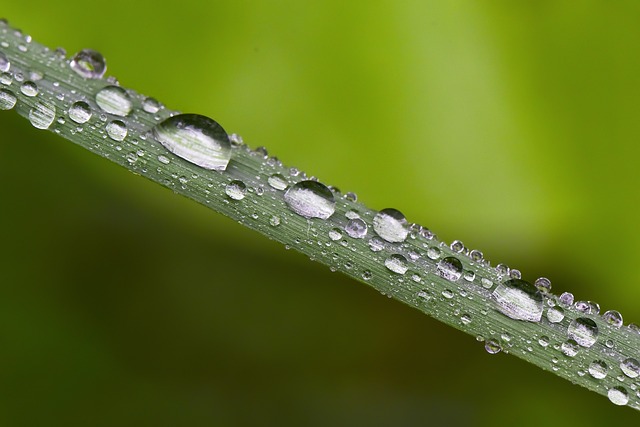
{"x": 584, "y": 331}
{"x": 236, "y": 190}
{"x": 630, "y": 367}
{"x": 310, "y": 199}
{"x": 519, "y": 300}
{"x": 356, "y": 228}
{"x": 114, "y": 100}
{"x": 7, "y": 99}
{"x": 80, "y": 112}
{"x": 397, "y": 263}
{"x": 42, "y": 115}
{"x": 4, "y": 63}
{"x": 89, "y": 64}
{"x": 195, "y": 138}
{"x": 117, "y": 130}
{"x": 598, "y": 369}
{"x": 450, "y": 268}
{"x": 391, "y": 225}
{"x": 618, "y": 395}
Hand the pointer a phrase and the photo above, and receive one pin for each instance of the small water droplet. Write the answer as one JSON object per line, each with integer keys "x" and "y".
{"x": 519, "y": 300}
{"x": 310, "y": 199}
{"x": 163, "y": 159}
{"x": 391, "y": 225}
{"x": 486, "y": 283}
{"x": 29, "y": 88}
{"x": 543, "y": 341}
{"x": 367, "y": 275}
{"x": 7, "y": 99}
{"x": 555, "y": 314}
{"x": 587, "y": 307}
{"x": 350, "y": 196}
{"x": 476, "y": 255}
{"x": 618, "y": 395}
{"x": 630, "y": 367}
{"x": 116, "y": 130}
{"x": 151, "y": 105}
{"x": 375, "y": 244}
{"x": 236, "y": 190}
{"x": 80, "y": 112}
{"x": 42, "y": 115}
{"x": 356, "y": 228}
{"x": 6, "y": 79}
{"x": 584, "y": 331}
{"x": 448, "y": 293}
{"x": 469, "y": 275}
{"x": 566, "y": 299}
{"x": 397, "y": 263}
{"x": 114, "y": 100}
{"x": 457, "y": 246}
{"x": 4, "y": 63}
{"x": 465, "y": 319}
{"x": 570, "y": 348}
{"x": 335, "y": 234}
{"x": 274, "y": 221}
{"x": 450, "y": 268}
{"x": 492, "y": 346}
{"x": 195, "y": 138}
{"x": 433, "y": 253}
{"x": 89, "y": 64}
{"x": 613, "y": 317}
{"x": 598, "y": 369}
{"x": 543, "y": 284}
{"x": 278, "y": 182}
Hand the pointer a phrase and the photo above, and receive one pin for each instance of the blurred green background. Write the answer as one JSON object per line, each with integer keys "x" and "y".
{"x": 511, "y": 126}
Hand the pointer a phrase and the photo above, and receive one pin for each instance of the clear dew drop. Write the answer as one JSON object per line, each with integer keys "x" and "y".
{"x": 569, "y": 348}
{"x": 519, "y": 300}
{"x": 587, "y": 307}
{"x": 375, "y": 244}
{"x": 543, "y": 284}
{"x": 618, "y": 395}
{"x": 397, "y": 263}
{"x": 5, "y": 65}
{"x": 310, "y": 199}
{"x": 630, "y": 367}
{"x": 29, "y": 88}
{"x": 598, "y": 369}
{"x": 42, "y": 115}
{"x": 236, "y": 190}
{"x": 543, "y": 341}
{"x": 164, "y": 159}
{"x": 613, "y": 318}
{"x": 7, "y": 99}
{"x": 335, "y": 234}
{"x": 584, "y": 331}
{"x": 492, "y": 346}
{"x": 114, "y": 100}
{"x": 391, "y": 225}
{"x": 277, "y": 181}
{"x": 80, "y": 112}
{"x": 465, "y": 319}
{"x": 116, "y": 130}
{"x": 151, "y": 105}
{"x": 555, "y": 314}
{"x": 356, "y": 228}
{"x": 450, "y": 268}
{"x": 89, "y": 64}
{"x": 6, "y": 79}
{"x": 195, "y": 138}
{"x": 566, "y": 299}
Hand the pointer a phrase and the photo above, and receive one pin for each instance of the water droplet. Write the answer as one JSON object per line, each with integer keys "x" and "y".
{"x": 195, "y": 138}
{"x": 396, "y": 263}
{"x": 587, "y": 307}
{"x": 89, "y": 64}
{"x": 29, "y": 88}
{"x": 335, "y": 234}
{"x": 448, "y": 293}
{"x": 117, "y": 130}
{"x": 7, "y": 99}
{"x": 543, "y": 284}
{"x": 278, "y": 182}
{"x": 543, "y": 341}
{"x": 351, "y": 196}
{"x": 433, "y": 253}
{"x": 476, "y": 255}
{"x": 391, "y": 225}
{"x": 164, "y": 159}
{"x": 613, "y": 318}
{"x": 450, "y": 268}
{"x": 4, "y": 63}
{"x": 151, "y": 105}
{"x": 310, "y": 199}
{"x": 598, "y": 369}
{"x": 42, "y": 115}
{"x": 6, "y": 79}
{"x": 566, "y": 299}
{"x": 236, "y": 190}
{"x": 618, "y": 395}
{"x": 555, "y": 314}
{"x": 80, "y": 112}
{"x": 114, "y": 100}
{"x": 274, "y": 221}
{"x": 519, "y": 300}
{"x": 375, "y": 244}
{"x": 630, "y": 367}
{"x": 367, "y": 275}
{"x": 465, "y": 319}
{"x": 570, "y": 348}
{"x": 492, "y": 346}
{"x": 356, "y": 228}
{"x": 457, "y": 246}
{"x": 584, "y": 331}
{"x": 502, "y": 269}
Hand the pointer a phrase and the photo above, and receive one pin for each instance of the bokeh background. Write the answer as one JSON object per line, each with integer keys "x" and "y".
{"x": 511, "y": 126}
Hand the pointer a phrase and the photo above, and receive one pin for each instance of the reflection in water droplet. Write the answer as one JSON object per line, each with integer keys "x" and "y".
{"x": 587, "y": 307}
{"x": 450, "y": 268}
{"x": 310, "y": 199}
{"x": 566, "y": 299}
{"x": 584, "y": 331}
{"x": 555, "y": 314}
{"x": 116, "y": 130}
{"x": 114, "y": 100}
{"x": 543, "y": 284}
{"x": 356, "y": 228}
{"x": 4, "y": 63}
{"x": 7, "y": 99}
{"x": 613, "y": 317}
{"x": 598, "y": 369}
{"x": 519, "y": 300}
{"x": 29, "y": 88}
{"x": 397, "y": 263}
{"x": 80, "y": 112}
{"x": 277, "y": 181}
{"x": 492, "y": 346}
{"x": 391, "y": 225}
{"x": 618, "y": 395}
{"x": 195, "y": 138}
{"x": 42, "y": 115}
{"x": 630, "y": 367}
{"x": 570, "y": 348}
{"x": 236, "y": 190}
{"x": 89, "y": 64}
